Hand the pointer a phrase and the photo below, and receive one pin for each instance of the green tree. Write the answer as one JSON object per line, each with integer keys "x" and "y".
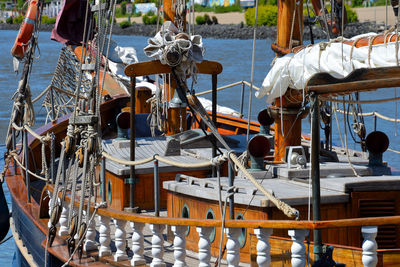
{"x": 123, "y": 8}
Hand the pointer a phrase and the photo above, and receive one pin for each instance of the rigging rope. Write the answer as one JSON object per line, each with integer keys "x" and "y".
{"x": 252, "y": 73}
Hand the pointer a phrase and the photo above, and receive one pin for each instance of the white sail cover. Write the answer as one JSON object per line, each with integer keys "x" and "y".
{"x": 294, "y": 70}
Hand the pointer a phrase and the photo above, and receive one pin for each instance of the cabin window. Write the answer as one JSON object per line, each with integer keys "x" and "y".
{"x": 210, "y": 216}
{"x": 242, "y": 237}
{"x": 109, "y": 191}
{"x": 185, "y": 214}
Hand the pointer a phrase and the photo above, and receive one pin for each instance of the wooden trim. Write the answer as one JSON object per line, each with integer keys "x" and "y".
{"x": 358, "y": 80}
{"x": 155, "y": 67}
{"x": 276, "y": 224}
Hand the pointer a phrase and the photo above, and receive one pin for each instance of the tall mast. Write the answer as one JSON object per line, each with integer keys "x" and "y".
{"x": 289, "y": 35}
{"x": 287, "y": 109}
{"x": 176, "y": 110}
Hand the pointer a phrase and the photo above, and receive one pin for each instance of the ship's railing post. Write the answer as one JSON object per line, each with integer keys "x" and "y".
{"x": 104, "y": 236}
{"x": 157, "y": 245}
{"x": 369, "y": 246}
{"x": 241, "y": 99}
{"x": 90, "y": 240}
{"x": 64, "y": 220}
{"x": 233, "y": 246}
{"x": 179, "y": 245}
{"x": 263, "y": 246}
{"x": 120, "y": 240}
{"x": 137, "y": 244}
{"x": 26, "y": 159}
{"x": 204, "y": 246}
{"x": 156, "y": 189}
{"x": 298, "y": 248}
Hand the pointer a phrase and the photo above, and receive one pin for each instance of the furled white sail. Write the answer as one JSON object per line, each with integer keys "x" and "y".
{"x": 335, "y": 58}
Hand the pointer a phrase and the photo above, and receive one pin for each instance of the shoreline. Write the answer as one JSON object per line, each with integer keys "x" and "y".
{"x": 230, "y": 31}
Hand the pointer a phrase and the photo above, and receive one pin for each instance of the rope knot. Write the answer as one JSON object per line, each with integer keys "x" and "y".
{"x": 218, "y": 160}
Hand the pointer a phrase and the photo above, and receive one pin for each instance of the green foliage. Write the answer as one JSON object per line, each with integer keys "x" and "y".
{"x": 380, "y": 2}
{"x": 207, "y": 19}
{"x": 214, "y": 20}
{"x": 200, "y": 20}
{"x": 351, "y": 14}
{"x": 226, "y": 9}
{"x": 47, "y": 20}
{"x": 125, "y": 24}
{"x": 121, "y": 12}
{"x": 150, "y": 13}
{"x": 149, "y": 19}
{"x": 18, "y": 20}
{"x": 267, "y": 15}
{"x": 3, "y": 6}
{"x": 200, "y": 8}
{"x": 9, "y": 20}
{"x": 218, "y": 9}
{"x": 357, "y": 3}
{"x": 20, "y": 4}
{"x": 123, "y": 8}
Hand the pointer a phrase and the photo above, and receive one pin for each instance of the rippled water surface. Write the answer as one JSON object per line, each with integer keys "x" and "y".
{"x": 234, "y": 55}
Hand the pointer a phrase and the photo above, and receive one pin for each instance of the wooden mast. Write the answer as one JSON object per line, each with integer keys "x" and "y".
{"x": 176, "y": 113}
{"x": 288, "y": 127}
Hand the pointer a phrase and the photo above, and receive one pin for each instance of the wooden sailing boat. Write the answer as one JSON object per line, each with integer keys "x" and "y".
{"x": 55, "y": 217}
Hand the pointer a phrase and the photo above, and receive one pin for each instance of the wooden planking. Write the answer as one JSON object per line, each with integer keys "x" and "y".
{"x": 155, "y": 67}
{"x": 358, "y": 80}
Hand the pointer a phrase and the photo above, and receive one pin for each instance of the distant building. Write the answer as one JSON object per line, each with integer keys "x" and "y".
{"x": 51, "y": 9}
{"x": 9, "y": 5}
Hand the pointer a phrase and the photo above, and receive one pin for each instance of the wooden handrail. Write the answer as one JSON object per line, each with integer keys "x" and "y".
{"x": 276, "y": 224}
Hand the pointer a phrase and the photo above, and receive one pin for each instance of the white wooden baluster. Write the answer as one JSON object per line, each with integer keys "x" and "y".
{"x": 157, "y": 245}
{"x": 204, "y": 246}
{"x": 64, "y": 220}
{"x": 90, "y": 240}
{"x": 298, "y": 248}
{"x": 233, "y": 246}
{"x": 369, "y": 246}
{"x": 137, "y": 244}
{"x": 179, "y": 245}
{"x": 104, "y": 236}
{"x": 263, "y": 246}
{"x": 120, "y": 240}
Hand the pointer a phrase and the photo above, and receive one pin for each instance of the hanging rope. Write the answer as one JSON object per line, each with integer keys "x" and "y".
{"x": 252, "y": 73}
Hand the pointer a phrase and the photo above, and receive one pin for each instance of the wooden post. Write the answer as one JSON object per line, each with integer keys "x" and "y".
{"x": 132, "y": 144}
{"x": 285, "y": 33}
{"x": 176, "y": 121}
{"x": 315, "y": 175}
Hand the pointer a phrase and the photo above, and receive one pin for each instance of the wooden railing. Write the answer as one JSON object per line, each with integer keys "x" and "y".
{"x": 297, "y": 231}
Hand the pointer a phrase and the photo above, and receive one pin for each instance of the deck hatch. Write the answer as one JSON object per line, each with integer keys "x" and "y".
{"x": 387, "y": 235}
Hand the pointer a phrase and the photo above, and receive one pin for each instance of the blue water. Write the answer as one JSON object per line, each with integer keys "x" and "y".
{"x": 235, "y": 57}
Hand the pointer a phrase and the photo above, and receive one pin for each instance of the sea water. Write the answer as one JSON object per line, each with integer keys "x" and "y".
{"x": 236, "y": 59}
